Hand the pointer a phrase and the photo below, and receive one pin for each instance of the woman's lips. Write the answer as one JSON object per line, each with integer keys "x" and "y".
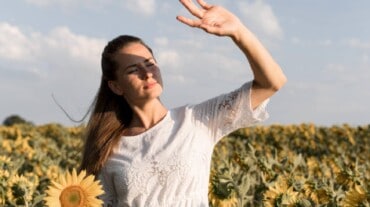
{"x": 150, "y": 85}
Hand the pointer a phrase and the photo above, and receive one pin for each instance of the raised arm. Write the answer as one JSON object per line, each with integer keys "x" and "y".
{"x": 268, "y": 76}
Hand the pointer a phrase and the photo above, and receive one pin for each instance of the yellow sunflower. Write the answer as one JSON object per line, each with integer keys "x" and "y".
{"x": 4, "y": 174}
{"x": 356, "y": 196}
{"x": 4, "y": 161}
{"x": 318, "y": 194}
{"x": 20, "y": 189}
{"x": 344, "y": 178}
{"x": 7, "y": 145}
{"x": 280, "y": 193}
{"x": 221, "y": 191}
{"x": 74, "y": 190}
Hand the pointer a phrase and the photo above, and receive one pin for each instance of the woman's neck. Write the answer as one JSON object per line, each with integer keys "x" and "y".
{"x": 147, "y": 115}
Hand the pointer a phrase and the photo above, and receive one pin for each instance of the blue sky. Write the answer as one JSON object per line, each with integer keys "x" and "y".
{"x": 53, "y": 47}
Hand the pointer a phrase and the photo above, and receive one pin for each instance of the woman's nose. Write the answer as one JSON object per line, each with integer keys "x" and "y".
{"x": 145, "y": 70}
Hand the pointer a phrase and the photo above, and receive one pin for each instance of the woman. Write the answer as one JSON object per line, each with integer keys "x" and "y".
{"x": 148, "y": 155}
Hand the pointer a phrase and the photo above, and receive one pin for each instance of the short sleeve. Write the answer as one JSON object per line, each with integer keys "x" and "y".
{"x": 229, "y": 112}
{"x": 108, "y": 197}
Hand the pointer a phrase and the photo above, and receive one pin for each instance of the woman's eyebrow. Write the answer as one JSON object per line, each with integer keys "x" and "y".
{"x": 135, "y": 64}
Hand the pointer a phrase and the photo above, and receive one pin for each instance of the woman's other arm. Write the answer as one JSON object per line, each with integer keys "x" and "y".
{"x": 268, "y": 76}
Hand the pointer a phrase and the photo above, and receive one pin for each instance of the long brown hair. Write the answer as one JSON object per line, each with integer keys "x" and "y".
{"x": 111, "y": 113}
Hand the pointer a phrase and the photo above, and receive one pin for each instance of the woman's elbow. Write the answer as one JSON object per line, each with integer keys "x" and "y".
{"x": 279, "y": 82}
{"x": 272, "y": 81}
{"x": 274, "y": 84}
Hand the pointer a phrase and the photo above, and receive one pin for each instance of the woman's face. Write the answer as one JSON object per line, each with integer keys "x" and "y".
{"x": 138, "y": 77}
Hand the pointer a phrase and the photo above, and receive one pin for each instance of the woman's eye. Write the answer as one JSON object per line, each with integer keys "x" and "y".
{"x": 132, "y": 70}
{"x": 149, "y": 64}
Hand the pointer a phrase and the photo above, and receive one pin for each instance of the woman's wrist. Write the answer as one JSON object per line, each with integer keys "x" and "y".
{"x": 241, "y": 34}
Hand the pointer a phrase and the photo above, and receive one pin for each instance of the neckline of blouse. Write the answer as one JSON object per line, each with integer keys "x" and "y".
{"x": 150, "y": 130}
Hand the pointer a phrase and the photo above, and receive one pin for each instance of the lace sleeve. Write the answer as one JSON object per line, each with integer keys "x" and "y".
{"x": 228, "y": 112}
{"x": 109, "y": 193}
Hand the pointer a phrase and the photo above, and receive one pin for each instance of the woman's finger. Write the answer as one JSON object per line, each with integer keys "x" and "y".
{"x": 190, "y": 22}
{"x": 204, "y": 5}
{"x": 194, "y": 10}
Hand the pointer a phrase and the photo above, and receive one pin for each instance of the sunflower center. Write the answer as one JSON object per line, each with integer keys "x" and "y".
{"x": 72, "y": 196}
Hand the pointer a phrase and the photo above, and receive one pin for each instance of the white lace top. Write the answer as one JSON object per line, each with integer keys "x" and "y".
{"x": 169, "y": 165}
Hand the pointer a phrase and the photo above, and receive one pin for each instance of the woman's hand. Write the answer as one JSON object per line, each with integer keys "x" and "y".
{"x": 213, "y": 19}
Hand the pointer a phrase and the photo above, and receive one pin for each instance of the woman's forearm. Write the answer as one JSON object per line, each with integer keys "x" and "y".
{"x": 267, "y": 73}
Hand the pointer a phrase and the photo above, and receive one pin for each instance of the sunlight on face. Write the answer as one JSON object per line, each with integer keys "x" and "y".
{"x": 138, "y": 76}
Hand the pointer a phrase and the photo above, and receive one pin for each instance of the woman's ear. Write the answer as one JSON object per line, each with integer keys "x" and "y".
{"x": 115, "y": 87}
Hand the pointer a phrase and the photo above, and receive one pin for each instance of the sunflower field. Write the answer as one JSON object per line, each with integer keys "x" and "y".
{"x": 277, "y": 165}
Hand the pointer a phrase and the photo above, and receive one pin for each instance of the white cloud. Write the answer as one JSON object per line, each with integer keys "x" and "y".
{"x": 365, "y": 58}
{"x": 161, "y": 41}
{"x": 53, "y": 55}
{"x": 349, "y": 76}
{"x": 208, "y": 65}
{"x": 326, "y": 43}
{"x": 44, "y": 3}
{"x": 40, "y": 2}
{"x": 143, "y": 7}
{"x": 166, "y": 7}
{"x": 260, "y": 17}
{"x": 74, "y": 45}
{"x": 168, "y": 58}
{"x": 68, "y": 3}
{"x": 334, "y": 102}
{"x": 169, "y": 62}
{"x": 334, "y": 68}
{"x": 358, "y": 44}
{"x": 59, "y": 62}
{"x": 146, "y": 7}
{"x": 296, "y": 40}
{"x": 40, "y": 48}
{"x": 14, "y": 44}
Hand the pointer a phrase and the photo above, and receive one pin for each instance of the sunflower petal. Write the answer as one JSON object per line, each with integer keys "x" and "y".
{"x": 71, "y": 183}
